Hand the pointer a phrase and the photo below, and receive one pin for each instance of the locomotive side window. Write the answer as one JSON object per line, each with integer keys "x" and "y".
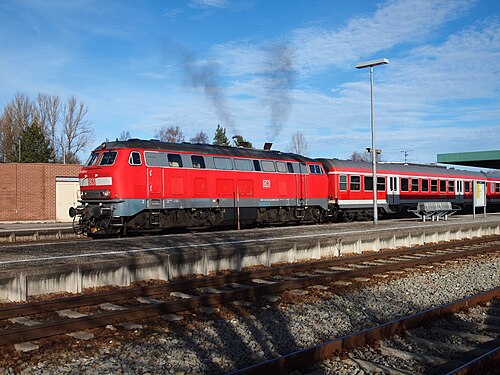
{"x": 467, "y": 186}
{"x": 442, "y": 186}
{"x": 355, "y": 183}
{"x": 198, "y": 161}
{"x": 155, "y": 159}
{"x": 268, "y": 166}
{"x": 92, "y": 159}
{"x": 451, "y": 186}
{"x": 315, "y": 169}
{"x": 380, "y": 183}
{"x": 108, "y": 158}
{"x": 281, "y": 167}
{"x": 290, "y": 167}
{"x": 223, "y": 163}
{"x": 404, "y": 184}
{"x": 256, "y": 165}
{"x": 343, "y": 182}
{"x": 368, "y": 181}
{"x": 134, "y": 158}
{"x": 434, "y": 185}
{"x": 174, "y": 160}
{"x": 414, "y": 184}
{"x": 243, "y": 164}
{"x": 425, "y": 185}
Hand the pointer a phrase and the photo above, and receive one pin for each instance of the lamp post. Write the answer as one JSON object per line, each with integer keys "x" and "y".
{"x": 370, "y": 64}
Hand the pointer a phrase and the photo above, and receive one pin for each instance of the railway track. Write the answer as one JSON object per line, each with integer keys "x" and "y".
{"x": 36, "y": 320}
{"x": 423, "y": 342}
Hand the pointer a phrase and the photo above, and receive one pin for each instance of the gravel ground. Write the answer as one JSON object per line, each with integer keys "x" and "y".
{"x": 211, "y": 345}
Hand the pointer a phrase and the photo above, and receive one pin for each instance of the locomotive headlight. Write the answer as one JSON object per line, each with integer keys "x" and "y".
{"x": 105, "y": 193}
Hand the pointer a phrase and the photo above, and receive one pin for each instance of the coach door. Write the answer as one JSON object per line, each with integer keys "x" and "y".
{"x": 393, "y": 191}
{"x": 459, "y": 191}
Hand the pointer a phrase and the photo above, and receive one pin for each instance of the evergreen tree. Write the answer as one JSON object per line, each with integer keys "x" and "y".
{"x": 34, "y": 147}
{"x": 239, "y": 141}
{"x": 220, "y": 137}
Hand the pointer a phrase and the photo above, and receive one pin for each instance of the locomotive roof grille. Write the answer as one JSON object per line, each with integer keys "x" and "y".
{"x": 202, "y": 149}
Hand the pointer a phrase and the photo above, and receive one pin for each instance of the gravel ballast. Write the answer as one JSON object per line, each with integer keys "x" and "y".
{"x": 234, "y": 337}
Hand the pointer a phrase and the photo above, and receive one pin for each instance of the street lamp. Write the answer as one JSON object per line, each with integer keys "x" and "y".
{"x": 370, "y": 64}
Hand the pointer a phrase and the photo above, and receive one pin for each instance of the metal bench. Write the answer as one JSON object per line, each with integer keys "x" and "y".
{"x": 434, "y": 210}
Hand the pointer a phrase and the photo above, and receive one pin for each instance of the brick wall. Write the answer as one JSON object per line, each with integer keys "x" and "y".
{"x": 28, "y": 191}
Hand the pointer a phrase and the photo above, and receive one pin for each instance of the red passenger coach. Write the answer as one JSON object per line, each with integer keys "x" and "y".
{"x": 399, "y": 187}
{"x": 146, "y": 185}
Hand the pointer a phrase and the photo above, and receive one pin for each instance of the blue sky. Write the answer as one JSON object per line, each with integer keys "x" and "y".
{"x": 265, "y": 69}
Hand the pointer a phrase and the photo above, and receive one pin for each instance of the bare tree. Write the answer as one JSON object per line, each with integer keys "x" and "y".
{"x": 364, "y": 156}
{"x": 200, "y": 137}
{"x": 169, "y": 134}
{"x": 298, "y": 144}
{"x": 124, "y": 135}
{"x": 76, "y": 135}
{"x": 49, "y": 109}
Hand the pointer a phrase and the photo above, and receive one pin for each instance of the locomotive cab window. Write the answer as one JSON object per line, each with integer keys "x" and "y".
{"x": 355, "y": 183}
{"x": 135, "y": 158}
{"x": 174, "y": 160}
{"x": 256, "y": 165}
{"x": 198, "y": 161}
{"x": 92, "y": 159}
{"x": 108, "y": 158}
{"x": 290, "y": 167}
{"x": 343, "y": 182}
{"x": 155, "y": 159}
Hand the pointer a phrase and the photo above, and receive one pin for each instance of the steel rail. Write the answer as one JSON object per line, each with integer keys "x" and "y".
{"x": 141, "y": 312}
{"x": 32, "y": 308}
{"x": 326, "y": 350}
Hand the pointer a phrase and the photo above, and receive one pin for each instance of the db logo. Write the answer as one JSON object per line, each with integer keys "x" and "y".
{"x": 91, "y": 181}
{"x": 266, "y": 183}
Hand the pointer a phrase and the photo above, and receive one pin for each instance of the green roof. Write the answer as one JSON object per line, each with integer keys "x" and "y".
{"x": 483, "y": 159}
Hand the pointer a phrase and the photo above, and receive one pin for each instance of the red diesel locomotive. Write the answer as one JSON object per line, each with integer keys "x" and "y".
{"x": 140, "y": 185}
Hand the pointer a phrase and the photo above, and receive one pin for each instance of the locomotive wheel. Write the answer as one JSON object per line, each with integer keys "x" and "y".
{"x": 348, "y": 216}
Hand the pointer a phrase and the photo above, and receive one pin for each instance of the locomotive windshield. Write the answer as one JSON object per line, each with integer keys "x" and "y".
{"x": 92, "y": 159}
{"x": 108, "y": 158}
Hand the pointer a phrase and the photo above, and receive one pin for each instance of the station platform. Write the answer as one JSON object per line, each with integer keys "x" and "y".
{"x": 29, "y": 231}
{"x": 73, "y": 266}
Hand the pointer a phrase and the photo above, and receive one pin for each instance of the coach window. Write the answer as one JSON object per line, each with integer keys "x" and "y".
{"x": 404, "y": 184}
{"x": 289, "y": 167}
{"x": 355, "y": 183}
{"x": 243, "y": 164}
{"x": 343, "y": 182}
{"x": 368, "y": 181}
{"x": 134, "y": 158}
{"x": 256, "y": 165}
{"x": 497, "y": 187}
{"x": 268, "y": 166}
{"x": 380, "y": 183}
{"x": 174, "y": 160}
{"x": 451, "y": 186}
{"x": 198, "y": 161}
{"x": 223, "y": 163}
{"x": 467, "y": 186}
{"x": 414, "y": 184}
{"x": 492, "y": 187}
{"x": 425, "y": 185}
{"x": 108, "y": 158}
{"x": 442, "y": 186}
{"x": 434, "y": 185}
{"x": 281, "y": 167}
